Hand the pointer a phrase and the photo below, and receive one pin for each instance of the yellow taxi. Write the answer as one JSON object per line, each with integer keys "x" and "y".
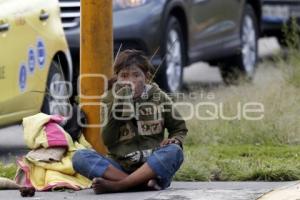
{"x": 34, "y": 60}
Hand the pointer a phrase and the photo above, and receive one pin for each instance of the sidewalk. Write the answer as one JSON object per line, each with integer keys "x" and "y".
{"x": 290, "y": 192}
{"x": 177, "y": 191}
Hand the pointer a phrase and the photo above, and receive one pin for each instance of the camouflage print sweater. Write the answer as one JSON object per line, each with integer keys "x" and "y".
{"x": 133, "y": 129}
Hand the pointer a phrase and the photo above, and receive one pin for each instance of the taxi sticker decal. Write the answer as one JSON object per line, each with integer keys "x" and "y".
{"x": 41, "y": 53}
{"x": 22, "y": 77}
{"x": 31, "y": 60}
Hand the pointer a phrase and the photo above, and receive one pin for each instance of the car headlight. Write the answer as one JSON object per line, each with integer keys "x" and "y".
{"x": 124, "y": 4}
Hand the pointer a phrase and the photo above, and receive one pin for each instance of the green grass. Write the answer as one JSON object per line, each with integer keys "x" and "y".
{"x": 291, "y": 66}
{"x": 243, "y": 150}
{"x": 8, "y": 170}
{"x": 279, "y": 126}
{"x": 240, "y": 163}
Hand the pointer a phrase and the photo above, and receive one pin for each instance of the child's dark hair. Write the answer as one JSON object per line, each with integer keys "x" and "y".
{"x": 136, "y": 58}
{"x": 129, "y": 58}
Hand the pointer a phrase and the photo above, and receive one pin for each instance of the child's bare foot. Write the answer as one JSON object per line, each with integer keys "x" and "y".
{"x": 101, "y": 185}
{"x": 153, "y": 185}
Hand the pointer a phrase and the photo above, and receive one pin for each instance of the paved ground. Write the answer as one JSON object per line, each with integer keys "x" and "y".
{"x": 178, "y": 191}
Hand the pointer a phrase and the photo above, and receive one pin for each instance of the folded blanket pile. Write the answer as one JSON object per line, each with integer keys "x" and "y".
{"x": 49, "y": 165}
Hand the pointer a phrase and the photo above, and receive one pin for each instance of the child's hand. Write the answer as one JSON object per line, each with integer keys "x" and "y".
{"x": 169, "y": 141}
{"x": 123, "y": 90}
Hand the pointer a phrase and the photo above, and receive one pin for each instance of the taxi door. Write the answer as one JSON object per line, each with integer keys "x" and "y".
{"x": 10, "y": 56}
{"x": 22, "y": 57}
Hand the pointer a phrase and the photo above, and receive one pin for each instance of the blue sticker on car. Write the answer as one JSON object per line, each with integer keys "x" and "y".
{"x": 22, "y": 77}
{"x": 41, "y": 53}
{"x": 31, "y": 60}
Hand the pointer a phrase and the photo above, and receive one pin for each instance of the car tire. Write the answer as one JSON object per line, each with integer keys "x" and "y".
{"x": 56, "y": 101}
{"x": 242, "y": 66}
{"x": 173, "y": 52}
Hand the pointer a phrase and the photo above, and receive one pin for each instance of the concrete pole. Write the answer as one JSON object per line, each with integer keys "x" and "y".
{"x": 96, "y": 57}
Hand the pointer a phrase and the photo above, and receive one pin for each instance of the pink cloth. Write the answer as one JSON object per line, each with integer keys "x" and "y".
{"x": 55, "y": 135}
{"x": 56, "y": 118}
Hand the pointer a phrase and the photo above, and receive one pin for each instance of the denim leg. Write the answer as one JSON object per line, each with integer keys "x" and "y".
{"x": 91, "y": 164}
{"x": 165, "y": 162}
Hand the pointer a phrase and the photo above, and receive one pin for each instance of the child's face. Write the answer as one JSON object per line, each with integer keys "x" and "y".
{"x": 135, "y": 76}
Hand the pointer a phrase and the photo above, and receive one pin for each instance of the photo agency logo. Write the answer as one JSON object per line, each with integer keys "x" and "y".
{"x": 119, "y": 105}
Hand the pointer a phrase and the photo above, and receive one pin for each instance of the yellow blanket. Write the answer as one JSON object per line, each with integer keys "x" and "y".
{"x": 49, "y": 175}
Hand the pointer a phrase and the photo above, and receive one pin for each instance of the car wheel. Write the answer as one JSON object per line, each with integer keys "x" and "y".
{"x": 55, "y": 100}
{"x": 243, "y": 65}
{"x": 171, "y": 74}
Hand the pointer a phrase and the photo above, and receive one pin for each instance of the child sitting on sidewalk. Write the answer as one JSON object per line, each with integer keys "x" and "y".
{"x": 138, "y": 112}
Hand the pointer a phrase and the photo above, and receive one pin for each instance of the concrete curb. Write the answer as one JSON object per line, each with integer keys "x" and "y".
{"x": 289, "y": 192}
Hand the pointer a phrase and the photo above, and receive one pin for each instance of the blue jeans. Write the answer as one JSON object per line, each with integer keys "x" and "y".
{"x": 164, "y": 161}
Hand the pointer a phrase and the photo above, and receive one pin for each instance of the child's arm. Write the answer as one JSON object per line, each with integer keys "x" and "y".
{"x": 110, "y": 129}
{"x": 110, "y": 132}
{"x": 173, "y": 121}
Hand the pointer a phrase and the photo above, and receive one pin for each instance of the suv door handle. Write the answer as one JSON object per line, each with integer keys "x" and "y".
{"x": 44, "y": 15}
{"x": 4, "y": 27}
